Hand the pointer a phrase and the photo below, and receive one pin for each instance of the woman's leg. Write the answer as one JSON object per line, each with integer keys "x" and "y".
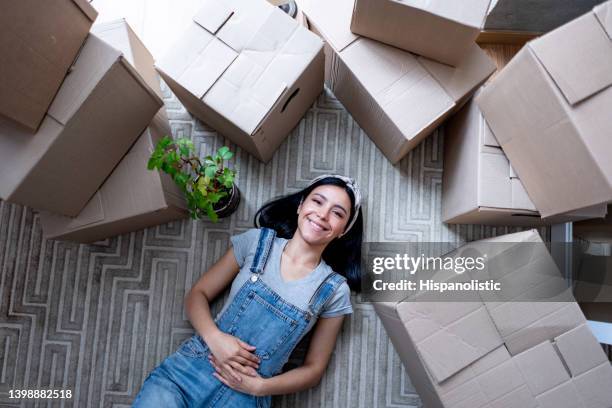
{"x": 183, "y": 379}
{"x": 159, "y": 391}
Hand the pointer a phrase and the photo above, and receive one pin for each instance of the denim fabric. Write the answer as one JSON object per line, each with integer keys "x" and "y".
{"x": 256, "y": 315}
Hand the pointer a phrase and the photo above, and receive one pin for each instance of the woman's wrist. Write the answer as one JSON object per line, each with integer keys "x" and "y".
{"x": 210, "y": 333}
{"x": 262, "y": 387}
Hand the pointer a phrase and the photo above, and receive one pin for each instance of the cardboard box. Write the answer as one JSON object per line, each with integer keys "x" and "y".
{"x": 550, "y": 110}
{"x": 479, "y": 186}
{"x": 572, "y": 371}
{"x": 248, "y": 70}
{"x": 38, "y": 45}
{"x": 132, "y": 198}
{"x": 396, "y": 97}
{"x": 444, "y": 31}
{"x": 461, "y": 372}
{"x": 101, "y": 108}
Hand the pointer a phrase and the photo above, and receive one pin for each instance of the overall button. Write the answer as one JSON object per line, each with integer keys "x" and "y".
{"x": 254, "y": 277}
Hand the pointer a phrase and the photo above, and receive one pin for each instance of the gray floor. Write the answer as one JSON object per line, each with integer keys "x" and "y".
{"x": 96, "y": 319}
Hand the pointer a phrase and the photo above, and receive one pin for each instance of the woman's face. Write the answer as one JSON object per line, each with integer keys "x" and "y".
{"x": 324, "y": 214}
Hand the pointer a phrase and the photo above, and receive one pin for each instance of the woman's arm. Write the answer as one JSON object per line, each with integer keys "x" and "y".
{"x": 206, "y": 289}
{"x": 235, "y": 355}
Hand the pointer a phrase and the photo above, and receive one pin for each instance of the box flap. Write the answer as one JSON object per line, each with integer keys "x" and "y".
{"x": 197, "y": 61}
{"x": 332, "y": 19}
{"x": 245, "y": 94}
{"x": 120, "y": 35}
{"x": 469, "y": 12}
{"x": 213, "y": 15}
{"x": 87, "y": 9}
{"x": 247, "y": 19}
{"x": 463, "y": 79}
{"x": 97, "y": 57}
{"x": 578, "y": 57}
{"x": 604, "y": 15}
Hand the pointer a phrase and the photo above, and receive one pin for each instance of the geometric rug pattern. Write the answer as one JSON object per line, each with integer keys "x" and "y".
{"x": 97, "y": 318}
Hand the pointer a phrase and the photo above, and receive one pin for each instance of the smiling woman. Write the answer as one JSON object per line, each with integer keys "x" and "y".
{"x": 290, "y": 275}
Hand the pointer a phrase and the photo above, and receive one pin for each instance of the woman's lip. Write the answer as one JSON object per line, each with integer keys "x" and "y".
{"x": 316, "y": 225}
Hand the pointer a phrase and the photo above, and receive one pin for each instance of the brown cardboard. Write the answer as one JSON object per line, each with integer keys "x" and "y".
{"x": 37, "y": 47}
{"x": 580, "y": 350}
{"x": 441, "y": 30}
{"x": 397, "y": 97}
{"x": 479, "y": 186}
{"x": 248, "y": 70}
{"x": 536, "y": 376}
{"x": 556, "y": 93}
{"x": 102, "y": 106}
{"x": 130, "y": 199}
{"x": 542, "y": 368}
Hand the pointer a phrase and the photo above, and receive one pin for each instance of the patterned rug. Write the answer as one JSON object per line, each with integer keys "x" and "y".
{"x": 96, "y": 319}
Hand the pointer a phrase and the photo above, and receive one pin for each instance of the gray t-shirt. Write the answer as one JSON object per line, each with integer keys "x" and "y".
{"x": 297, "y": 292}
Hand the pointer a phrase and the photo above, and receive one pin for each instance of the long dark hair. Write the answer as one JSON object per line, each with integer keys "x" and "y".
{"x": 343, "y": 254}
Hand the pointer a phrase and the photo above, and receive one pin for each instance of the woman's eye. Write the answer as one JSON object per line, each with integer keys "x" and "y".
{"x": 339, "y": 214}
{"x": 316, "y": 201}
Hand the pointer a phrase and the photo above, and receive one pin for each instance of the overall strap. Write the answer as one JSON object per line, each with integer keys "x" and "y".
{"x": 264, "y": 246}
{"x": 324, "y": 292}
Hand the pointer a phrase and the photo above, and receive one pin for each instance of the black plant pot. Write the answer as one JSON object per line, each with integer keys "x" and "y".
{"x": 228, "y": 205}
{"x": 290, "y": 8}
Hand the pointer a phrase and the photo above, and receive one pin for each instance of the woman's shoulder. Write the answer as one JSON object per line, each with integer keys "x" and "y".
{"x": 340, "y": 301}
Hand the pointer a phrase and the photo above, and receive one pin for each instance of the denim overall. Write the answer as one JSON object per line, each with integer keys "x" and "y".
{"x": 257, "y": 316}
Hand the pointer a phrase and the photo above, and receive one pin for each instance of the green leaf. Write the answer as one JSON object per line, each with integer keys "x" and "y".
{"x": 211, "y": 213}
{"x": 153, "y": 163}
{"x": 210, "y": 171}
{"x": 164, "y": 142}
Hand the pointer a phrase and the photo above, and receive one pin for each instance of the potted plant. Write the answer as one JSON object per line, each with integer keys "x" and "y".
{"x": 208, "y": 184}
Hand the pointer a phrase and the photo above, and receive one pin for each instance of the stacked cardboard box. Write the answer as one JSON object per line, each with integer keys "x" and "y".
{"x": 248, "y": 70}
{"x": 502, "y": 352}
{"x": 441, "y": 30}
{"x": 398, "y": 98}
{"x": 132, "y": 197}
{"x": 36, "y": 51}
{"x": 99, "y": 111}
{"x": 67, "y": 120}
{"x": 479, "y": 186}
{"x": 549, "y": 108}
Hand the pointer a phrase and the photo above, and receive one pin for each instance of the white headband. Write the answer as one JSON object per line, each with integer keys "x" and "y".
{"x": 350, "y": 183}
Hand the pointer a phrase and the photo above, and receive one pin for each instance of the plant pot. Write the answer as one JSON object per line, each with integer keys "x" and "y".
{"x": 290, "y": 7}
{"x": 227, "y": 205}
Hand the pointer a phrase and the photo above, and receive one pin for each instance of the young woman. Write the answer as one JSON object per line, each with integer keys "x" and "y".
{"x": 289, "y": 276}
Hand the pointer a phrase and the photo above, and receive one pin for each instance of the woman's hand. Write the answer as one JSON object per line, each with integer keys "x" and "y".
{"x": 233, "y": 356}
{"x": 252, "y": 383}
